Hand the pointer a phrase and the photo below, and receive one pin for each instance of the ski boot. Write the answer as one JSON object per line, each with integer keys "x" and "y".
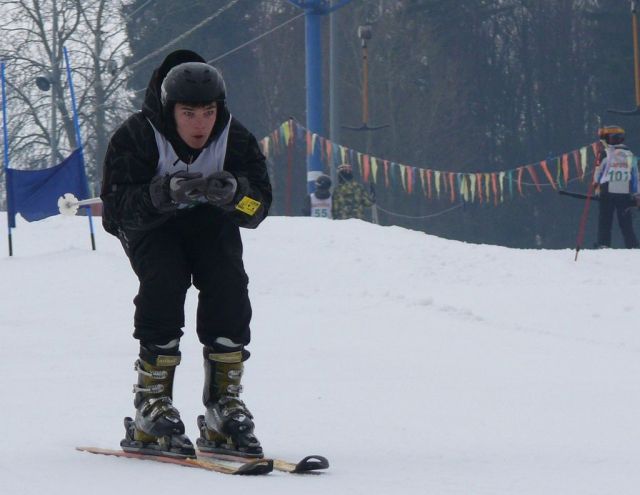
{"x": 157, "y": 428}
{"x": 227, "y": 425}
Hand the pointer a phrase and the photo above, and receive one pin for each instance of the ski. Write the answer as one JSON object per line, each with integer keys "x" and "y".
{"x": 309, "y": 464}
{"x": 246, "y": 467}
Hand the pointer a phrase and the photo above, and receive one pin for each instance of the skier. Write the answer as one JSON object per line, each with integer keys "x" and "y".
{"x": 180, "y": 177}
{"x": 318, "y": 203}
{"x": 349, "y": 198}
{"x": 616, "y": 184}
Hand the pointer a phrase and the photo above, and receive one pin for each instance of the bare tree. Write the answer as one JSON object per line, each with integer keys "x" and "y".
{"x": 36, "y": 32}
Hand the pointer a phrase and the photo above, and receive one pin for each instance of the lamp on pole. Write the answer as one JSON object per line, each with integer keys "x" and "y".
{"x": 314, "y": 10}
{"x": 47, "y": 83}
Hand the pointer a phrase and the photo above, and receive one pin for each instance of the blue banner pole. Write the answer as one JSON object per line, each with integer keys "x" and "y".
{"x": 314, "y": 10}
{"x": 76, "y": 124}
{"x": 5, "y": 135}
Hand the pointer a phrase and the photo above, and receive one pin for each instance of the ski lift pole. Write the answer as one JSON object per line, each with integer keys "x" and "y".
{"x": 636, "y": 62}
{"x": 636, "y": 51}
{"x": 365, "y": 34}
{"x": 314, "y": 10}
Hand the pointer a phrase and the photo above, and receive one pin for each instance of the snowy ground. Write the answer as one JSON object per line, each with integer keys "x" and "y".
{"x": 416, "y": 364}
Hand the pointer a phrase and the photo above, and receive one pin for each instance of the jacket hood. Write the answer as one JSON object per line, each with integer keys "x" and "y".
{"x": 162, "y": 120}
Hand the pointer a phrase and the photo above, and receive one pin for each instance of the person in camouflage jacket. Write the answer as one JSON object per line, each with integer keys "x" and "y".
{"x": 349, "y": 198}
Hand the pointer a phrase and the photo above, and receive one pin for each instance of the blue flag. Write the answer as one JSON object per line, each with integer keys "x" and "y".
{"x": 34, "y": 193}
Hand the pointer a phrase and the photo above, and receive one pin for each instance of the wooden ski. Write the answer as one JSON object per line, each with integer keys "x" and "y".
{"x": 247, "y": 467}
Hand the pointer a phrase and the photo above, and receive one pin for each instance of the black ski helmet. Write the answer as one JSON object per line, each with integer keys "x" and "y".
{"x": 345, "y": 172}
{"x": 611, "y": 134}
{"x": 323, "y": 182}
{"x": 193, "y": 82}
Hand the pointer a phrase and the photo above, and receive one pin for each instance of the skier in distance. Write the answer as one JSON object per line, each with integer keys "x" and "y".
{"x": 616, "y": 184}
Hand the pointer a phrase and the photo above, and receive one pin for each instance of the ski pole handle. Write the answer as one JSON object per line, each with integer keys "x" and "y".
{"x": 69, "y": 204}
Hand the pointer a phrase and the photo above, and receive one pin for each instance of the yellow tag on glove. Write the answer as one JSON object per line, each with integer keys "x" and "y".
{"x": 248, "y": 205}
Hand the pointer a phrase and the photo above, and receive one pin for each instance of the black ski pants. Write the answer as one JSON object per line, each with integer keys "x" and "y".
{"x": 619, "y": 204}
{"x": 196, "y": 246}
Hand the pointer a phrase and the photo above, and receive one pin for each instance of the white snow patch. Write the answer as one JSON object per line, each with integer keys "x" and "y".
{"x": 416, "y": 364}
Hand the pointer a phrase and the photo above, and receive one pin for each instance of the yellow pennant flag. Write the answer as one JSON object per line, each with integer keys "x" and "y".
{"x": 472, "y": 183}
{"x": 343, "y": 154}
{"x": 374, "y": 169}
{"x": 287, "y": 133}
{"x": 464, "y": 187}
{"x": 423, "y": 180}
{"x": 436, "y": 174}
{"x": 501, "y": 184}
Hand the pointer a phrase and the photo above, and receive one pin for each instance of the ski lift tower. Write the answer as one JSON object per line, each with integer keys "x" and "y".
{"x": 314, "y": 10}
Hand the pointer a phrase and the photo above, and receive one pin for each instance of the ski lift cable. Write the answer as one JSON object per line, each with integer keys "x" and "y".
{"x": 514, "y": 181}
{"x": 253, "y": 40}
{"x": 460, "y": 205}
{"x": 130, "y": 16}
{"x": 183, "y": 35}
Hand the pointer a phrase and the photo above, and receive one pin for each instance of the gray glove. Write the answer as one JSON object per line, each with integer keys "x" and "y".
{"x": 169, "y": 191}
{"x": 221, "y": 188}
{"x": 185, "y": 187}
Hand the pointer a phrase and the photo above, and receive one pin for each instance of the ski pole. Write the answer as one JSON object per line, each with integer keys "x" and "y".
{"x": 585, "y": 211}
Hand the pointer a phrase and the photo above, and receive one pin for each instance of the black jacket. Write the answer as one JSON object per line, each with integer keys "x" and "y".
{"x": 132, "y": 159}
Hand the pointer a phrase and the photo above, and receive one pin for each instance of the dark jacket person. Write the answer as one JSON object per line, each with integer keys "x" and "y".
{"x": 180, "y": 178}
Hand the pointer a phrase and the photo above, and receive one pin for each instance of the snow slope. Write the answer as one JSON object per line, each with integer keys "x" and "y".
{"x": 416, "y": 364}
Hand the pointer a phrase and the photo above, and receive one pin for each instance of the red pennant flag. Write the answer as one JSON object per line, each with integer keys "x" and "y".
{"x": 520, "y": 171}
{"x": 565, "y": 168}
{"x": 545, "y": 169}
{"x": 309, "y": 143}
{"x": 598, "y": 149}
{"x": 452, "y": 187}
{"x": 494, "y": 187}
{"x": 534, "y": 176}
{"x": 479, "y": 184}
{"x": 429, "y": 183}
{"x": 366, "y": 165}
{"x": 386, "y": 173}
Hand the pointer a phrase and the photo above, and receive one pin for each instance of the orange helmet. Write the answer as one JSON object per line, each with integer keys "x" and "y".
{"x": 611, "y": 134}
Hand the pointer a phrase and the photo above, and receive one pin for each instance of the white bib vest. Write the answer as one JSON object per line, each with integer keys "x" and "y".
{"x": 210, "y": 159}
{"x": 320, "y": 207}
{"x": 616, "y": 170}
